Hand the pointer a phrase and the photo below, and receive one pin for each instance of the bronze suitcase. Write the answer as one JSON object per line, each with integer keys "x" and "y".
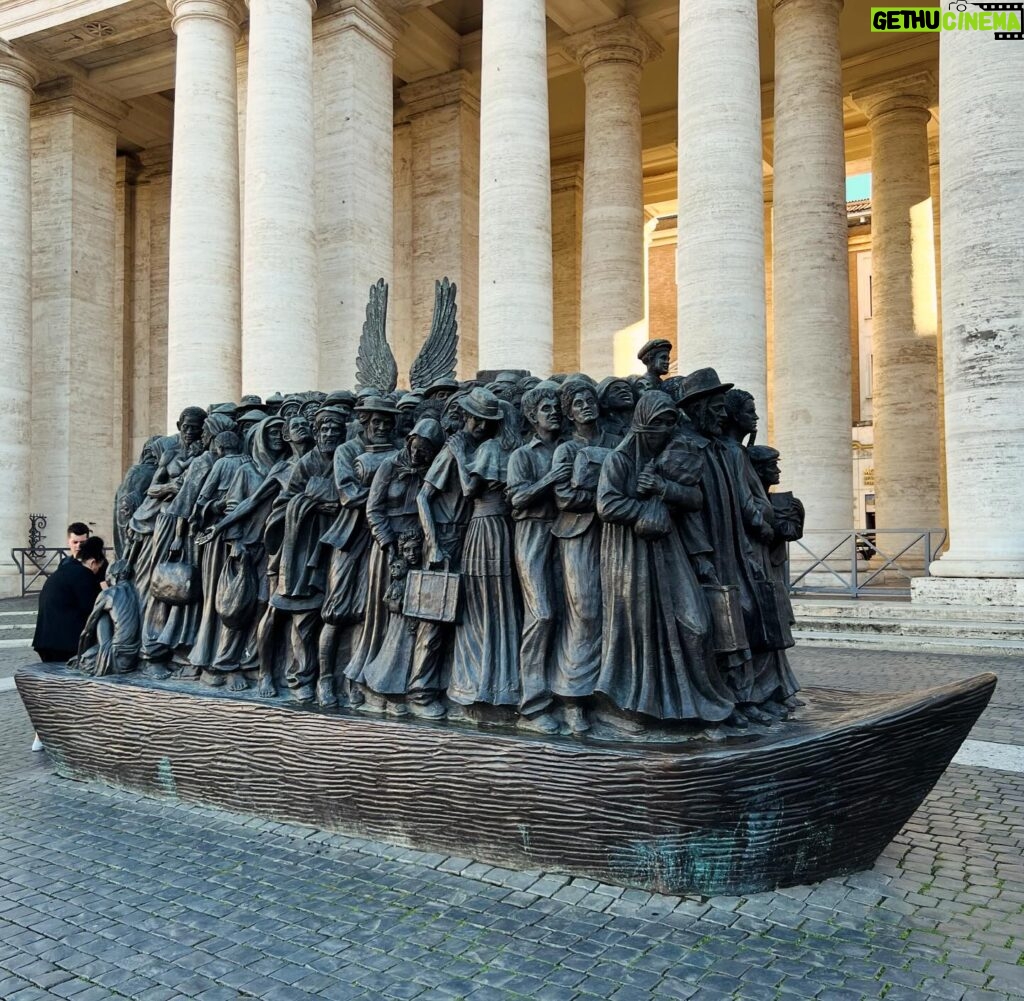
{"x": 432, "y": 595}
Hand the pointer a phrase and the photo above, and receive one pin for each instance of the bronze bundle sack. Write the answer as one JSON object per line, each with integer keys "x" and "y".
{"x": 726, "y": 617}
{"x": 432, "y": 595}
{"x": 235, "y": 598}
{"x": 175, "y": 583}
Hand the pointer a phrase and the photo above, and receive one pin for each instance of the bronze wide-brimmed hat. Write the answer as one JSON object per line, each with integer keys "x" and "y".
{"x": 376, "y": 405}
{"x": 482, "y": 403}
{"x": 702, "y": 382}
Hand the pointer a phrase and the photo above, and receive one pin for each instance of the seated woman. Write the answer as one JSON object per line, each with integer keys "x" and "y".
{"x": 111, "y": 637}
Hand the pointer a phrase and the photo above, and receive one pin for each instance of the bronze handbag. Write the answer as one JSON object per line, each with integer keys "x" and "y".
{"x": 432, "y": 595}
{"x": 174, "y": 583}
{"x": 726, "y": 617}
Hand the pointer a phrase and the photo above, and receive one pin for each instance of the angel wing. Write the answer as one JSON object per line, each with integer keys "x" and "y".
{"x": 375, "y": 363}
{"x": 440, "y": 350}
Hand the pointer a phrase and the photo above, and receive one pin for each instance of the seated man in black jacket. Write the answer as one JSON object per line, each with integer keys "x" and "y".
{"x": 66, "y": 600}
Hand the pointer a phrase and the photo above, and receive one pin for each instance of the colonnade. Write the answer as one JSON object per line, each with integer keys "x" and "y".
{"x": 274, "y": 239}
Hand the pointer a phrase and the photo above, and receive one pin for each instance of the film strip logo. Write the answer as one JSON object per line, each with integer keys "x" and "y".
{"x": 1000, "y": 36}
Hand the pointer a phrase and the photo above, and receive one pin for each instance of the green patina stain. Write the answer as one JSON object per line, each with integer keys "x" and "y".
{"x": 165, "y": 777}
{"x": 524, "y": 836}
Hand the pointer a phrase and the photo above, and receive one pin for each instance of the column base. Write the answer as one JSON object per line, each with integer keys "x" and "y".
{"x": 979, "y": 591}
{"x": 10, "y": 583}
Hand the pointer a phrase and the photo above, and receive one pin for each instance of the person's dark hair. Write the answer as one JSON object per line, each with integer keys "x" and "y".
{"x": 79, "y": 528}
{"x": 91, "y": 549}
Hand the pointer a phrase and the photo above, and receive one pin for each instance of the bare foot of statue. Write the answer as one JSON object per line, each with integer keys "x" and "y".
{"x": 325, "y": 696}
{"x": 756, "y": 714}
{"x": 236, "y": 682}
{"x": 266, "y": 688}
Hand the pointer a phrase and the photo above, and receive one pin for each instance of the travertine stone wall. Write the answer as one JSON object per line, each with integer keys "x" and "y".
{"x": 74, "y": 321}
{"x": 566, "y": 253}
{"x": 16, "y": 82}
{"x": 720, "y": 269}
{"x": 811, "y": 338}
{"x": 444, "y": 121}
{"x": 353, "y": 56}
{"x": 138, "y": 273}
{"x": 905, "y": 385}
{"x": 279, "y": 260}
{"x": 515, "y": 189}
{"x": 662, "y": 307}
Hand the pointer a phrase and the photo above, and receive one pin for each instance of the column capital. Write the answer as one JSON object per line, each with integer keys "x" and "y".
{"x": 70, "y": 94}
{"x": 912, "y": 94}
{"x": 623, "y": 40}
{"x": 376, "y": 20}
{"x": 14, "y": 69}
{"x": 459, "y": 86}
{"x": 229, "y": 12}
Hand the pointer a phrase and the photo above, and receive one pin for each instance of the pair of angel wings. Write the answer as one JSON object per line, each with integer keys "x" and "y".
{"x": 375, "y": 362}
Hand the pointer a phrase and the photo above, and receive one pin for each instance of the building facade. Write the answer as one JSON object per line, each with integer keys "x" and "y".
{"x": 197, "y": 194}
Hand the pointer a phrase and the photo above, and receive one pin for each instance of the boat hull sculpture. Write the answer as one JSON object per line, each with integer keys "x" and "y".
{"x": 811, "y": 798}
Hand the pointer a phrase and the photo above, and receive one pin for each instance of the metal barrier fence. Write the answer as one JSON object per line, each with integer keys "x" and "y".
{"x": 35, "y": 564}
{"x": 865, "y": 562}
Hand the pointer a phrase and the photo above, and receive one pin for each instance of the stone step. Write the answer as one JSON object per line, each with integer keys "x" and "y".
{"x": 813, "y": 609}
{"x": 914, "y": 627}
{"x": 965, "y": 646}
{"x": 22, "y": 643}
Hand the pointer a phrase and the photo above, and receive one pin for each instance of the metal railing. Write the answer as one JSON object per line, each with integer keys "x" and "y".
{"x": 35, "y": 564}
{"x": 865, "y": 562}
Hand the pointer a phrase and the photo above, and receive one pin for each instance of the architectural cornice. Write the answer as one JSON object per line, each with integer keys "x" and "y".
{"x": 376, "y": 20}
{"x": 69, "y": 94}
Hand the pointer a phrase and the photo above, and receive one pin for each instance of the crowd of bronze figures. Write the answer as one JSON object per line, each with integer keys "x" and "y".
{"x": 611, "y": 539}
{"x": 537, "y": 552}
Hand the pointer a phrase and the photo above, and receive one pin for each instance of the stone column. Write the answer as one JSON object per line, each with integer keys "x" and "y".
{"x": 982, "y": 319}
{"x": 905, "y": 377}
{"x": 204, "y": 293}
{"x": 444, "y": 120}
{"x": 515, "y": 189}
{"x": 353, "y": 52}
{"x": 16, "y": 82}
{"x": 810, "y": 293}
{"x": 612, "y": 284}
{"x": 74, "y": 175}
{"x": 400, "y": 335}
{"x": 720, "y": 264}
{"x": 566, "y": 241}
{"x": 150, "y": 382}
{"x": 279, "y": 260}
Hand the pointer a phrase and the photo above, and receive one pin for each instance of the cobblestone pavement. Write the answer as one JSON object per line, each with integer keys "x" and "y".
{"x": 105, "y": 894}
